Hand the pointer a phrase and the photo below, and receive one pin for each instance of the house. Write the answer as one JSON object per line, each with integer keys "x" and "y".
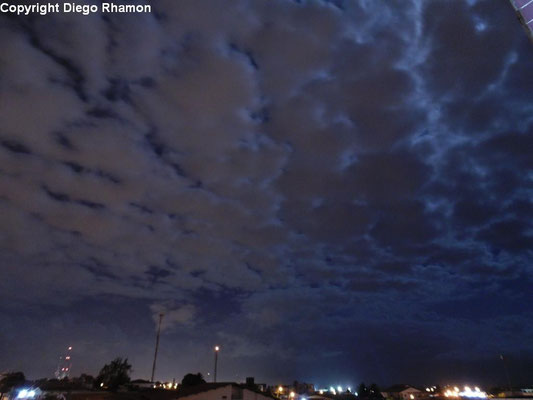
{"x": 221, "y": 391}
{"x": 403, "y": 392}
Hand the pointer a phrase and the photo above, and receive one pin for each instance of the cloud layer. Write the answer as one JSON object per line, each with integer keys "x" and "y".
{"x": 305, "y": 183}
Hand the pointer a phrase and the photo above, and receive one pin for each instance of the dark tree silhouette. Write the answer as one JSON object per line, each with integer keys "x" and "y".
{"x": 10, "y": 381}
{"x": 114, "y": 374}
{"x": 363, "y": 390}
{"x": 193, "y": 379}
{"x": 374, "y": 392}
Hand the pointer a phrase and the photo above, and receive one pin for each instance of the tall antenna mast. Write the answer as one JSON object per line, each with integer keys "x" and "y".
{"x": 156, "y": 345}
{"x": 65, "y": 365}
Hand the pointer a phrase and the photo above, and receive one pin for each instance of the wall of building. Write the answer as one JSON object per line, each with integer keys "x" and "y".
{"x": 227, "y": 393}
{"x": 223, "y": 393}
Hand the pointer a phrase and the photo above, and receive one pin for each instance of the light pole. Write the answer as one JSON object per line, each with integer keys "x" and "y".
{"x": 506, "y": 372}
{"x": 217, "y": 348}
{"x": 156, "y": 346}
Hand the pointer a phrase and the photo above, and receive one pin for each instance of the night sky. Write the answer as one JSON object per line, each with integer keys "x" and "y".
{"x": 332, "y": 191}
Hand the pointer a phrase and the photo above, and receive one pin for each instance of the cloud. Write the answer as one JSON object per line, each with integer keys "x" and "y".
{"x": 269, "y": 175}
{"x": 173, "y": 315}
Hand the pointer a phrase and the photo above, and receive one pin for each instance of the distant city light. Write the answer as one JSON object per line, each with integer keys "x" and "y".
{"x": 467, "y": 392}
{"x": 477, "y": 394}
{"x": 26, "y": 394}
{"x": 217, "y": 348}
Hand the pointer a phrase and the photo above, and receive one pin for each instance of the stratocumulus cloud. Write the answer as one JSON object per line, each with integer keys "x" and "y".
{"x": 269, "y": 175}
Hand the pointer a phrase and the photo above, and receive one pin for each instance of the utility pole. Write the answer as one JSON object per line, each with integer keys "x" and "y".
{"x": 217, "y": 348}
{"x": 506, "y": 373}
{"x": 156, "y": 345}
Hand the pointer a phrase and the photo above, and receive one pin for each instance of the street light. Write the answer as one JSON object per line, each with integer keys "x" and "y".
{"x": 217, "y": 348}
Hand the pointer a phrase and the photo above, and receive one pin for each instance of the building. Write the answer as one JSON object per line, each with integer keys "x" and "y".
{"x": 221, "y": 391}
{"x": 141, "y": 384}
{"x": 303, "y": 388}
{"x": 293, "y": 392}
{"x": 250, "y": 383}
{"x": 403, "y": 392}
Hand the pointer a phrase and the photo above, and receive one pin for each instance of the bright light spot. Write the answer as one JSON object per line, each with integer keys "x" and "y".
{"x": 428, "y": 390}
{"x": 349, "y": 389}
{"x": 292, "y": 394}
{"x": 102, "y": 384}
{"x": 280, "y": 389}
{"x": 70, "y": 347}
{"x": 26, "y": 394}
{"x": 321, "y": 391}
{"x": 339, "y": 389}
{"x": 411, "y": 396}
{"x": 469, "y": 393}
{"x": 217, "y": 348}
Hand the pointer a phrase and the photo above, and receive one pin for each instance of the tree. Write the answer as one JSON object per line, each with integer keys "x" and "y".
{"x": 86, "y": 380}
{"x": 10, "y": 381}
{"x": 114, "y": 374}
{"x": 193, "y": 379}
{"x": 374, "y": 391}
{"x": 363, "y": 390}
